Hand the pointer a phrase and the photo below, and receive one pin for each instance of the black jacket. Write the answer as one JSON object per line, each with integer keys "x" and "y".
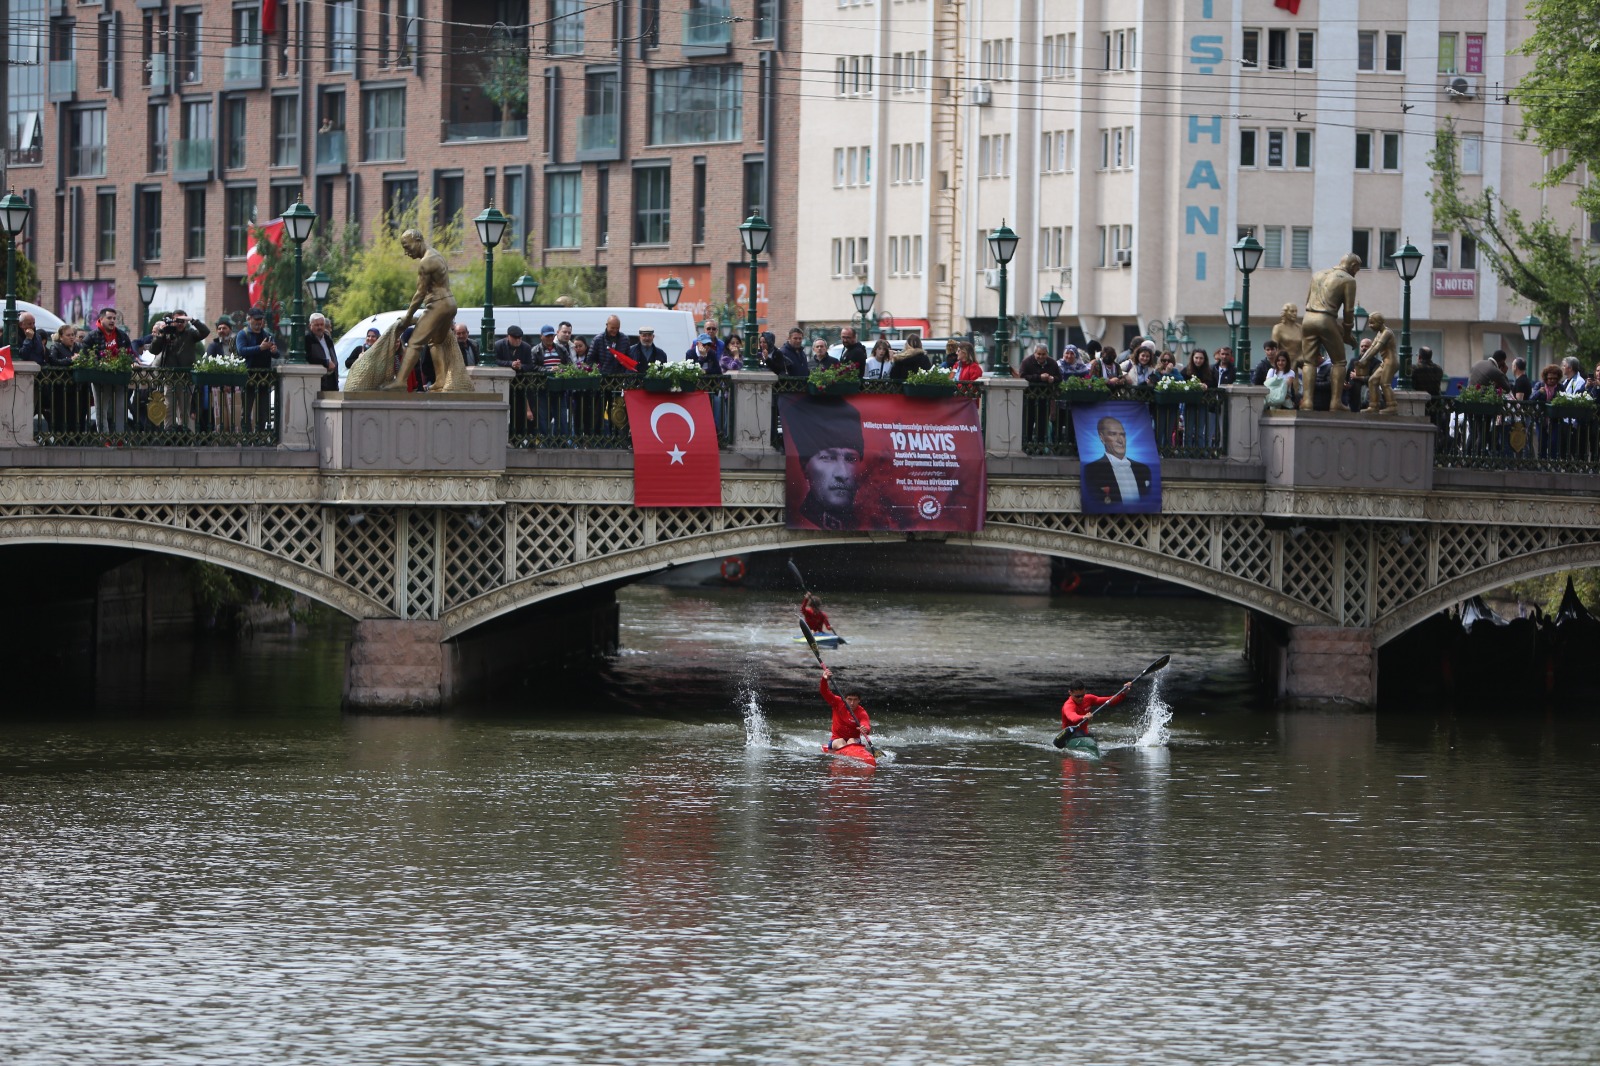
{"x": 505, "y": 355}
{"x": 94, "y": 341}
{"x": 177, "y": 347}
{"x": 789, "y": 361}
{"x": 855, "y": 353}
{"x": 248, "y": 344}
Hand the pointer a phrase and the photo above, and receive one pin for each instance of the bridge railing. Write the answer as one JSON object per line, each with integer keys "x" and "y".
{"x": 548, "y": 412}
{"x": 1194, "y": 428}
{"x": 154, "y": 406}
{"x": 1515, "y": 435}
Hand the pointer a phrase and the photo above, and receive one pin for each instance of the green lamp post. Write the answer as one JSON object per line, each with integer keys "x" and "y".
{"x": 1050, "y": 305}
{"x": 1231, "y": 313}
{"x": 526, "y": 288}
{"x": 754, "y": 234}
{"x": 1407, "y": 261}
{"x": 318, "y": 285}
{"x": 1246, "y": 256}
{"x": 1002, "y": 245}
{"x": 297, "y": 224}
{"x": 864, "y": 297}
{"x": 14, "y": 212}
{"x": 491, "y": 226}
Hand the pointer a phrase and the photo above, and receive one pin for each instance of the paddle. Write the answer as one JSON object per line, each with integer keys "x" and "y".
{"x": 798, "y": 576}
{"x": 866, "y": 740}
{"x": 1062, "y": 737}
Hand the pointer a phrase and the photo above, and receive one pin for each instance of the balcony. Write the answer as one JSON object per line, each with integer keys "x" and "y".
{"x": 242, "y": 67}
{"x": 63, "y": 80}
{"x": 598, "y": 137}
{"x": 193, "y": 160}
{"x": 500, "y": 130}
{"x": 707, "y": 30}
{"x": 159, "y": 71}
{"x": 332, "y": 153}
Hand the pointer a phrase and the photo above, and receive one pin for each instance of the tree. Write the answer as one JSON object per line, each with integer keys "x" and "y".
{"x": 331, "y": 251}
{"x": 586, "y": 286}
{"x": 381, "y": 277}
{"x": 1557, "y": 95}
{"x": 505, "y": 80}
{"x": 27, "y": 279}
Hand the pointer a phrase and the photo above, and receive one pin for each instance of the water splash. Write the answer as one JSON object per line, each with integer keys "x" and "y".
{"x": 757, "y": 734}
{"x": 1153, "y": 722}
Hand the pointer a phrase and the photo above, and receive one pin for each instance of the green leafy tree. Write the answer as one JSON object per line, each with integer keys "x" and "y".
{"x": 332, "y": 251}
{"x": 580, "y": 286}
{"x": 505, "y": 80}
{"x": 381, "y": 277}
{"x": 27, "y": 279}
{"x": 1556, "y": 95}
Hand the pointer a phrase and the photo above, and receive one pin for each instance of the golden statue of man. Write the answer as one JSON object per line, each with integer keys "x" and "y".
{"x": 435, "y": 330}
{"x": 1329, "y": 325}
{"x": 1380, "y": 383}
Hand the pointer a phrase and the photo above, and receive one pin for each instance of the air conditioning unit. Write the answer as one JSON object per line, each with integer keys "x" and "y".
{"x": 859, "y": 269}
{"x": 980, "y": 95}
{"x": 1122, "y": 257}
{"x": 1461, "y": 88}
{"x": 991, "y": 278}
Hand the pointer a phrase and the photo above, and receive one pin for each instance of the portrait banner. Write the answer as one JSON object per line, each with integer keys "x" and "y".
{"x": 676, "y": 461}
{"x": 1121, "y": 465}
{"x": 883, "y": 463}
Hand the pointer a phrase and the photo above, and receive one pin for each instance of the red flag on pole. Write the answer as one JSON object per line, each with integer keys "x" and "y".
{"x": 1291, "y": 6}
{"x": 7, "y": 371}
{"x": 269, "y": 17}
{"x": 272, "y": 231}
{"x": 676, "y": 462}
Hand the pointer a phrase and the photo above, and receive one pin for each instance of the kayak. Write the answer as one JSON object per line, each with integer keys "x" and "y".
{"x": 1083, "y": 747}
{"x": 853, "y": 753}
{"x": 824, "y": 640}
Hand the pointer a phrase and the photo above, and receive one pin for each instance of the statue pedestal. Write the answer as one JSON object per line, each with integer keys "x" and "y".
{"x": 408, "y": 432}
{"x": 1335, "y": 465}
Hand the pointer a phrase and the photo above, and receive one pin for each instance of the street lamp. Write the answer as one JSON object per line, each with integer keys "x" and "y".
{"x": 297, "y": 223}
{"x": 670, "y": 289}
{"x": 1531, "y": 328}
{"x": 1186, "y": 342}
{"x": 526, "y": 289}
{"x": 1170, "y": 331}
{"x": 1232, "y": 311}
{"x": 1408, "y": 261}
{"x": 318, "y": 285}
{"x": 1050, "y": 304}
{"x": 492, "y": 225}
{"x": 1002, "y": 245}
{"x": 14, "y": 212}
{"x": 864, "y": 297}
{"x": 1246, "y": 256}
{"x": 1360, "y": 316}
{"x": 147, "y": 297}
{"x": 754, "y": 233}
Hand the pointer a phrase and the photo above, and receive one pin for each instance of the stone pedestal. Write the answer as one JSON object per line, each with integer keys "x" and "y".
{"x": 395, "y": 667}
{"x": 16, "y": 407}
{"x": 299, "y": 384}
{"x": 495, "y": 379}
{"x": 1244, "y": 417}
{"x": 752, "y": 411}
{"x": 395, "y": 432}
{"x": 1002, "y": 414}
{"x": 1327, "y": 465}
{"x": 1331, "y": 663}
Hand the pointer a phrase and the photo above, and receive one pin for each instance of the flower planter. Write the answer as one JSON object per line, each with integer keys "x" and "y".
{"x": 1582, "y": 412}
{"x": 1172, "y": 397}
{"x": 583, "y": 384}
{"x": 1076, "y": 397}
{"x": 207, "y": 379}
{"x": 101, "y": 377}
{"x": 834, "y": 388}
{"x": 930, "y": 391}
{"x": 1479, "y": 407}
{"x": 668, "y": 385}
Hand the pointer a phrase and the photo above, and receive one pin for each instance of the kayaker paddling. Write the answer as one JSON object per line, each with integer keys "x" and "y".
{"x": 1081, "y": 705}
{"x": 851, "y": 724}
{"x": 815, "y": 618}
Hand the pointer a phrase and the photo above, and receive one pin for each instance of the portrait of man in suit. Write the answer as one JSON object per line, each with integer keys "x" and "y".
{"x": 1115, "y": 481}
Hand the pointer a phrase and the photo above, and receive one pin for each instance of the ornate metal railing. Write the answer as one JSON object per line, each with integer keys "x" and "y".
{"x": 1195, "y": 427}
{"x": 153, "y": 407}
{"x": 1515, "y": 435}
{"x": 547, "y": 412}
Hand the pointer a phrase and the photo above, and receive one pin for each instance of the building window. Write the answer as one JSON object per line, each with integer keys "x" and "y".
{"x": 994, "y": 59}
{"x": 696, "y": 105}
{"x": 1056, "y": 60}
{"x": 1275, "y": 149}
{"x": 1305, "y": 50}
{"x": 1247, "y": 148}
{"x": 86, "y": 142}
{"x": 1277, "y": 49}
{"x": 650, "y": 23}
{"x": 602, "y": 205}
{"x": 1361, "y": 246}
{"x": 159, "y": 118}
{"x": 1441, "y": 251}
{"x": 107, "y": 46}
{"x": 697, "y": 207}
{"x": 149, "y": 224}
{"x": 1472, "y": 153}
{"x": 849, "y": 257}
{"x": 766, "y": 20}
{"x": 233, "y": 128}
{"x": 1384, "y": 52}
{"x": 1363, "y": 149}
{"x": 1302, "y": 149}
{"x": 516, "y": 204}
{"x": 564, "y": 209}
{"x": 386, "y": 124}
{"x": 853, "y": 75}
{"x": 408, "y": 32}
{"x": 341, "y": 36}
{"x": 1055, "y": 152}
{"x": 399, "y": 196}
{"x": 187, "y": 46}
{"x": 1052, "y": 247}
{"x": 1120, "y": 48}
{"x": 283, "y": 196}
{"x": 994, "y": 156}
{"x": 1116, "y": 148}
{"x": 852, "y": 167}
{"x": 1391, "y": 151}
{"x": 755, "y": 188}
{"x": 908, "y": 72}
{"x": 1272, "y": 242}
{"x": 566, "y": 27}
{"x": 1388, "y": 244}
{"x": 194, "y": 222}
{"x": 285, "y": 131}
{"x": 105, "y": 226}
{"x": 451, "y": 195}
{"x": 1469, "y": 253}
{"x": 1250, "y": 50}
{"x": 1300, "y": 247}
{"x": 240, "y": 208}
{"x": 26, "y": 75}
{"x": 652, "y": 205}
{"x": 1447, "y": 53}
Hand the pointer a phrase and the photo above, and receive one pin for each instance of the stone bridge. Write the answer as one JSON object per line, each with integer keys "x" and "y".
{"x": 414, "y": 519}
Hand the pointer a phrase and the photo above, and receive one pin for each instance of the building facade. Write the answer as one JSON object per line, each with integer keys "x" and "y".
{"x": 1130, "y": 145}
{"x": 150, "y": 134}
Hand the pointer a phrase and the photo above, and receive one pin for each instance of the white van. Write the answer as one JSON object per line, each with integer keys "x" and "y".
{"x": 675, "y": 330}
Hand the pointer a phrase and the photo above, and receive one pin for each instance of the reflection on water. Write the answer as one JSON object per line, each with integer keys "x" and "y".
{"x": 627, "y": 879}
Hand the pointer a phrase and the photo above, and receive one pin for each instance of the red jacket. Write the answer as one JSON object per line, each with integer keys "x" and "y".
{"x": 969, "y": 372}
{"x": 1073, "y": 712}
{"x": 816, "y": 620}
{"x": 843, "y": 724}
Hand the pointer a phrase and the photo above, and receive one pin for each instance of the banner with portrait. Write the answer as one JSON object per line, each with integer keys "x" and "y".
{"x": 883, "y": 463}
{"x": 1121, "y": 465}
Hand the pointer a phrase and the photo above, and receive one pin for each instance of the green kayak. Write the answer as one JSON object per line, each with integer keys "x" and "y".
{"x": 1085, "y": 747}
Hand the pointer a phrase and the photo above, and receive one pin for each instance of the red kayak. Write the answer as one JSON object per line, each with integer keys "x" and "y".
{"x": 853, "y": 752}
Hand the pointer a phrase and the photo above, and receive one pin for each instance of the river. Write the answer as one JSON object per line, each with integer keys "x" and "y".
{"x": 662, "y": 869}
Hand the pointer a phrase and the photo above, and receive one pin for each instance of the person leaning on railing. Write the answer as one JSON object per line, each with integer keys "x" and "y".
{"x": 63, "y": 403}
{"x": 1427, "y": 376}
{"x": 911, "y": 359}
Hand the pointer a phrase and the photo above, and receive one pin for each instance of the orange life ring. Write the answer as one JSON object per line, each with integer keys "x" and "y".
{"x": 1071, "y": 583}
{"x": 733, "y": 569}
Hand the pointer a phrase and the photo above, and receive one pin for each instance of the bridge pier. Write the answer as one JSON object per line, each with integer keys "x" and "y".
{"x": 395, "y": 667}
{"x": 1313, "y": 663}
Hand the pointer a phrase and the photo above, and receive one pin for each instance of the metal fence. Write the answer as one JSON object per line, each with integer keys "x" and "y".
{"x": 1515, "y": 435}
{"x": 153, "y": 407}
{"x": 549, "y": 412}
{"x": 1193, "y": 428}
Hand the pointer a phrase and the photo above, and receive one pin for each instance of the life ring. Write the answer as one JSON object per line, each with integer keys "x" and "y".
{"x": 1071, "y": 583}
{"x": 733, "y": 569}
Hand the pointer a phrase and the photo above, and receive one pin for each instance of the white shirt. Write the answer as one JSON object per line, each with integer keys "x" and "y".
{"x": 1122, "y": 470}
{"x": 877, "y": 368}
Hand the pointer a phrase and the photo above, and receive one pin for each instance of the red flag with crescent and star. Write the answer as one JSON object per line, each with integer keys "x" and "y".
{"x": 7, "y": 370}
{"x": 676, "y": 461}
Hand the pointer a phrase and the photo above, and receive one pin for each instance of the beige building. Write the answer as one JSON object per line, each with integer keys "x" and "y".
{"x": 1130, "y": 147}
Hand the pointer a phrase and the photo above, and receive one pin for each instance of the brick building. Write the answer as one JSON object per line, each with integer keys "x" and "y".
{"x": 148, "y": 135}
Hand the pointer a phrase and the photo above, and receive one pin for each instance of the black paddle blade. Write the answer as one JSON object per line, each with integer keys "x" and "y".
{"x": 1061, "y": 738}
{"x": 812, "y": 641}
{"x": 795, "y": 570}
{"x": 1159, "y": 664}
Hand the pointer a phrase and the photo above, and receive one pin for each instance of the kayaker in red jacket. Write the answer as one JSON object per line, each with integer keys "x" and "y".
{"x": 850, "y": 721}
{"x": 1081, "y": 706}
{"x": 815, "y": 619}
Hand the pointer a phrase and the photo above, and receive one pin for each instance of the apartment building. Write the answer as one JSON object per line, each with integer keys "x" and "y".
{"x": 633, "y": 136}
{"x": 1130, "y": 147}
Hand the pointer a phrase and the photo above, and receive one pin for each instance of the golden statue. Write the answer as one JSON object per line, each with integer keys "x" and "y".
{"x": 1328, "y": 325}
{"x": 1380, "y": 383}
{"x": 1286, "y": 335}
{"x": 376, "y": 368}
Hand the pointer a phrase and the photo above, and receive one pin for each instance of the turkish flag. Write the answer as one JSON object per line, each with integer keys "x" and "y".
{"x": 269, "y": 17}
{"x": 256, "y": 260}
{"x": 7, "y": 371}
{"x": 676, "y": 462}
{"x": 1291, "y": 6}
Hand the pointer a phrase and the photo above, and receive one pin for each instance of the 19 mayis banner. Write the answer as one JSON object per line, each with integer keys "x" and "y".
{"x": 883, "y": 463}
